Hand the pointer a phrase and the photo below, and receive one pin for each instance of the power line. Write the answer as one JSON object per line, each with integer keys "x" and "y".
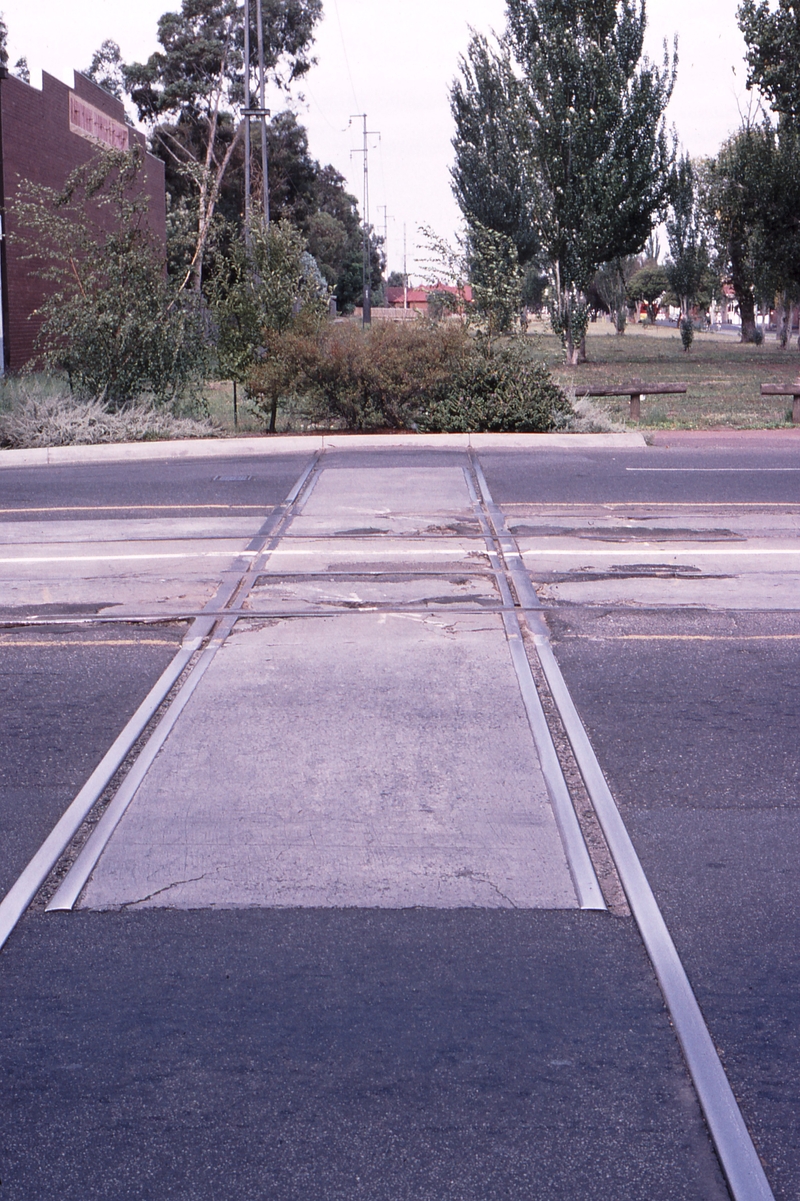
{"x": 344, "y": 51}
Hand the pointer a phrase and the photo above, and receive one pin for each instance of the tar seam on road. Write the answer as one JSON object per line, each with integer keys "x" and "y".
{"x": 28, "y": 883}
{"x": 584, "y": 878}
{"x": 738, "y": 1156}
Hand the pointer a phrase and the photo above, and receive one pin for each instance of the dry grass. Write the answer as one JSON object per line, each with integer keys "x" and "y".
{"x": 724, "y": 376}
{"x": 40, "y": 416}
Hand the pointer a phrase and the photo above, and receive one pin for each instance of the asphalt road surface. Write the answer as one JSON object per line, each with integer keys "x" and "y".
{"x": 335, "y": 947}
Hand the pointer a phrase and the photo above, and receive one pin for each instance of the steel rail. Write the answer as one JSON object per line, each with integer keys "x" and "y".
{"x": 737, "y": 1153}
{"x": 584, "y": 878}
{"x": 73, "y": 883}
{"x": 24, "y": 889}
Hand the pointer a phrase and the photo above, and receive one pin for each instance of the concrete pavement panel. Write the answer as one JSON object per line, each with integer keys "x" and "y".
{"x": 365, "y": 760}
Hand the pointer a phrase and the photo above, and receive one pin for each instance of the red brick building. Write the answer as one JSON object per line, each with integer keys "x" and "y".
{"x": 44, "y": 135}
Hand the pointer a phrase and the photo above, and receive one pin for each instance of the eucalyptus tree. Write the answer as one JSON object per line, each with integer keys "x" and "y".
{"x": 191, "y": 91}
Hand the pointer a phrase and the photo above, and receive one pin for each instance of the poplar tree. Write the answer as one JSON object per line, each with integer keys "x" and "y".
{"x": 772, "y": 34}
{"x": 689, "y": 259}
{"x": 584, "y": 110}
{"x": 489, "y": 177}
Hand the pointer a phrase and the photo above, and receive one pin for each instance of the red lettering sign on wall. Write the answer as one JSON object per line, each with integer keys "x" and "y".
{"x": 92, "y": 123}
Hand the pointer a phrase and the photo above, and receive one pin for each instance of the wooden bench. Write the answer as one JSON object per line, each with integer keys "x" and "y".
{"x": 792, "y": 390}
{"x": 636, "y": 390}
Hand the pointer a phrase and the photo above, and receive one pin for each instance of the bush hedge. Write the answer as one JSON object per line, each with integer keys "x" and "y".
{"x": 433, "y": 377}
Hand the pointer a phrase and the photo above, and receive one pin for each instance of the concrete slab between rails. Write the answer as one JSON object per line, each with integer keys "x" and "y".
{"x": 363, "y": 760}
{"x": 299, "y": 444}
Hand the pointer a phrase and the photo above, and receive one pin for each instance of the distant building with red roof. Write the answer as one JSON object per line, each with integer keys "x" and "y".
{"x": 418, "y": 297}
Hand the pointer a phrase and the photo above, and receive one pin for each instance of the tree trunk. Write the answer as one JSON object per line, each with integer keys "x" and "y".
{"x": 747, "y": 309}
{"x": 571, "y": 349}
{"x": 783, "y": 321}
{"x": 744, "y": 298}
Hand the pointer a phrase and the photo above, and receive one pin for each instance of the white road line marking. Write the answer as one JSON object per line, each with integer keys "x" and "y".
{"x": 347, "y": 552}
{"x": 722, "y": 470}
{"x": 685, "y": 637}
{"x": 660, "y": 549}
{"x": 28, "y": 642}
{"x": 196, "y": 554}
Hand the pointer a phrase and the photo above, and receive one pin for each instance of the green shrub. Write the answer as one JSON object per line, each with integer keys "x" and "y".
{"x": 687, "y": 333}
{"x": 503, "y": 390}
{"x": 420, "y": 375}
{"x": 112, "y": 321}
{"x": 360, "y": 379}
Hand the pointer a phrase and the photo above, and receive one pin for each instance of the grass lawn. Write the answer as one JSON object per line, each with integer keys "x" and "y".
{"x": 724, "y": 376}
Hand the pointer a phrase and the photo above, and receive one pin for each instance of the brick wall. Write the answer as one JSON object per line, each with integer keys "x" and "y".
{"x": 44, "y": 135}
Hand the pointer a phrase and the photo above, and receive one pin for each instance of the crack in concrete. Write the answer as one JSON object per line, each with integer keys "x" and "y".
{"x": 158, "y": 891}
{"x": 468, "y": 874}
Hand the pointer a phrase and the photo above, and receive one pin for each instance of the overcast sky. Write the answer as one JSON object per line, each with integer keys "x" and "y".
{"x": 394, "y": 60}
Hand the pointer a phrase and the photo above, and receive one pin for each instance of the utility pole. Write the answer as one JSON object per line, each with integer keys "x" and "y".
{"x": 246, "y": 110}
{"x": 385, "y": 208}
{"x": 365, "y": 268}
{"x": 249, "y": 112}
{"x": 405, "y": 270}
{"x": 264, "y": 113}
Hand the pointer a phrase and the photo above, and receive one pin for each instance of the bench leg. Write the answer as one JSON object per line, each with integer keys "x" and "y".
{"x": 636, "y": 406}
